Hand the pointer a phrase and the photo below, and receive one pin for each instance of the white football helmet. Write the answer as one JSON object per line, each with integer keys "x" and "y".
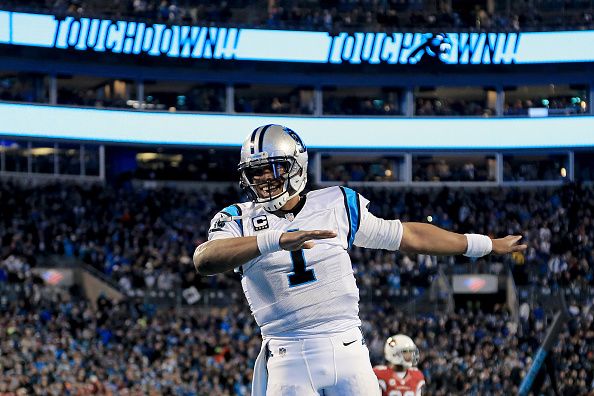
{"x": 281, "y": 150}
{"x": 396, "y": 345}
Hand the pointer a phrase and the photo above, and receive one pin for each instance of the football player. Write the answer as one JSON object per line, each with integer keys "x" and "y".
{"x": 400, "y": 377}
{"x": 291, "y": 250}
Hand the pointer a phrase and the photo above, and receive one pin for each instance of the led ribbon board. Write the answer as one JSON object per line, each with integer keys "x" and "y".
{"x": 38, "y": 121}
{"x": 135, "y": 38}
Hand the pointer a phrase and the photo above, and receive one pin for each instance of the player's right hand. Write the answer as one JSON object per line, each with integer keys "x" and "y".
{"x": 296, "y": 240}
{"x": 509, "y": 244}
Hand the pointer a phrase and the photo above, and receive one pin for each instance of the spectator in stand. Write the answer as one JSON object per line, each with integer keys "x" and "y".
{"x": 135, "y": 237}
{"x": 54, "y": 342}
{"x": 329, "y": 16}
{"x": 448, "y": 107}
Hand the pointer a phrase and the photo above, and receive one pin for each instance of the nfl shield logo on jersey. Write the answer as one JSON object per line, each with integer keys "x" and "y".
{"x": 260, "y": 222}
{"x": 218, "y": 223}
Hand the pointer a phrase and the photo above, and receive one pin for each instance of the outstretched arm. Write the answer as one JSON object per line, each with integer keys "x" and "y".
{"x": 422, "y": 238}
{"x": 221, "y": 255}
{"x": 428, "y": 239}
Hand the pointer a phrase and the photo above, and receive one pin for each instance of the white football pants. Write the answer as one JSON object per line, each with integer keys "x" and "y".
{"x": 330, "y": 366}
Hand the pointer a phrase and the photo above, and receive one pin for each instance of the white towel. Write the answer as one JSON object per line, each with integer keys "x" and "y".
{"x": 260, "y": 377}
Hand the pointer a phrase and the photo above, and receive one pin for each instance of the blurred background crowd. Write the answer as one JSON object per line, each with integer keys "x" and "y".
{"x": 337, "y": 14}
{"x": 144, "y": 238}
{"x": 56, "y": 342}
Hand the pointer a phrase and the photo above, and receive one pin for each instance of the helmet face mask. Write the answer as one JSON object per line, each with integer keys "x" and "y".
{"x": 262, "y": 181}
{"x": 398, "y": 347}
{"x": 277, "y": 168}
{"x": 273, "y": 166}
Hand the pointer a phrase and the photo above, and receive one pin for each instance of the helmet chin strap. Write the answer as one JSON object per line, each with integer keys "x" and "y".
{"x": 276, "y": 203}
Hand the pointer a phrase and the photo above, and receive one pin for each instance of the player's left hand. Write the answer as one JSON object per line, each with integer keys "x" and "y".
{"x": 296, "y": 240}
{"x": 509, "y": 244}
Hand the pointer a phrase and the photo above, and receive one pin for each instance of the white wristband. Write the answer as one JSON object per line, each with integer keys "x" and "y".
{"x": 478, "y": 245}
{"x": 269, "y": 241}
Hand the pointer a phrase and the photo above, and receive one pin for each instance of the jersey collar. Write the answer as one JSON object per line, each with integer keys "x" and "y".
{"x": 292, "y": 213}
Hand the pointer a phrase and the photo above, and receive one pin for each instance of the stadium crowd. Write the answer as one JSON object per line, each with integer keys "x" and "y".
{"x": 332, "y": 15}
{"x": 144, "y": 238}
{"x": 34, "y": 88}
{"x": 554, "y": 106}
{"x": 58, "y": 344}
{"x": 297, "y": 101}
{"x": 53, "y": 342}
{"x": 451, "y": 107}
{"x": 385, "y": 104}
{"x": 271, "y": 99}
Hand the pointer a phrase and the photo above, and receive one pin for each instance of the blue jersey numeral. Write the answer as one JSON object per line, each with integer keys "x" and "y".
{"x": 300, "y": 275}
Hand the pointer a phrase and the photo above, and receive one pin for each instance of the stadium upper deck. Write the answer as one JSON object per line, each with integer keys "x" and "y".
{"x": 539, "y": 15}
{"x": 548, "y": 74}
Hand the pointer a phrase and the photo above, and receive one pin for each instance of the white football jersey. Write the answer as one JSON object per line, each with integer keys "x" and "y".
{"x": 305, "y": 293}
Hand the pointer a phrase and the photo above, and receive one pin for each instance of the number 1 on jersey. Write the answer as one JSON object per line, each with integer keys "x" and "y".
{"x": 300, "y": 275}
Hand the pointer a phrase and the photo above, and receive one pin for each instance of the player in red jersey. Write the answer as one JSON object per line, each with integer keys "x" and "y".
{"x": 400, "y": 377}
